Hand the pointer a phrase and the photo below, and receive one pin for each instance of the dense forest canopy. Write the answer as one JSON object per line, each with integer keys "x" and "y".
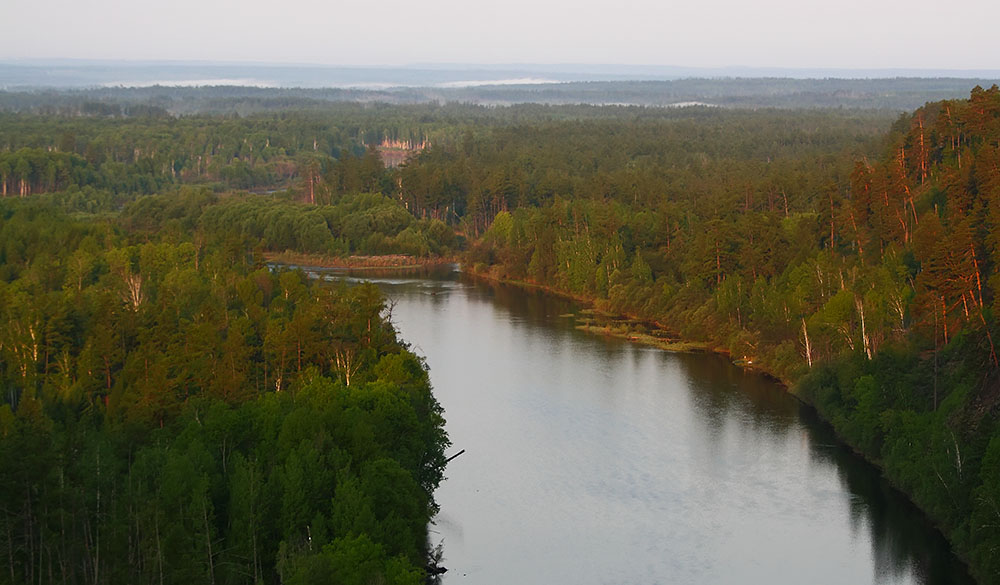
{"x": 175, "y": 411}
{"x": 145, "y": 154}
{"x": 851, "y": 253}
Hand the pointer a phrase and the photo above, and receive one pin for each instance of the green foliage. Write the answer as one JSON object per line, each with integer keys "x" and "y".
{"x": 167, "y": 417}
{"x": 362, "y": 223}
{"x": 141, "y": 350}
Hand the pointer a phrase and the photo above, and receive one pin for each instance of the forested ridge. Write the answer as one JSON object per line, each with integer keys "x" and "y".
{"x": 174, "y": 411}
{"x": 115, "y": 152}
{"x": 101, "y": 90}
{"x": 852, "y": 254}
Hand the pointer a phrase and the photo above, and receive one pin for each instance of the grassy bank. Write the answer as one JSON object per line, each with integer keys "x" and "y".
{"x": 383, "y": 262}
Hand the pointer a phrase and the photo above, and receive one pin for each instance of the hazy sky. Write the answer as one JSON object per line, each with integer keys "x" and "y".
{"x": 926, "y": 34}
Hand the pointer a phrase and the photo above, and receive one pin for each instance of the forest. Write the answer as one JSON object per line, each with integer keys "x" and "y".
{"x": 101, "y": 89}
{"x": 850, "y": 253}
{"x": 176, "y": 411}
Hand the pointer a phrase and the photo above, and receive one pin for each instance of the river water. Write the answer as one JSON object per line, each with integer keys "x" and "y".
{"x": 593, "y": 460}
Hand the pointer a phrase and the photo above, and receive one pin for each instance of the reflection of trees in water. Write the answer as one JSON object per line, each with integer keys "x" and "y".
{"x": 527, "y": 305}
{"x": 902, "y": 538}
{"x": 723, "y": 391}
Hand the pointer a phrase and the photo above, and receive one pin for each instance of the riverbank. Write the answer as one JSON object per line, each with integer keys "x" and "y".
{"x": 655, "y": 334}
{"x": 625, "y": 330}
{"x": 643, "y": 425}
{"x": 383, "y": 262}
{"x": 633, "y": 328}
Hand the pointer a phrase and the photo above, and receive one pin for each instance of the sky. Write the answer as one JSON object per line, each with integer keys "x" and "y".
{"x": 869, "y": 34}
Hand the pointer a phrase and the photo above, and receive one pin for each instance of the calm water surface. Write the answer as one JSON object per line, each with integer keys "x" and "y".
{"x": 592, "y": 460}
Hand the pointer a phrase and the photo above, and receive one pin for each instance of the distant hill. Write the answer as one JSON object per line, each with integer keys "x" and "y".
{"x": 186, "y": 87}
{"x": 899, "y": 95}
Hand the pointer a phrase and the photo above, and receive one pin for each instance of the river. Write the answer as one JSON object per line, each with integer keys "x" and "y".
{"x": 593, "y": 460}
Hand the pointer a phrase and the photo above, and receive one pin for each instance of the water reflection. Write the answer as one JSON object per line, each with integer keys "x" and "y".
{"x": 903, "y": 540}
{"x": 593, "y": 460}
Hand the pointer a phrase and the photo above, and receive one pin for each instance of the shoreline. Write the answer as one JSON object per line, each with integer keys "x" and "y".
{"x": 619, "y": 326}
{"x": 709, "y": 347}
{"x": 671, "y": 342}
{"x": 356, "y": 262}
